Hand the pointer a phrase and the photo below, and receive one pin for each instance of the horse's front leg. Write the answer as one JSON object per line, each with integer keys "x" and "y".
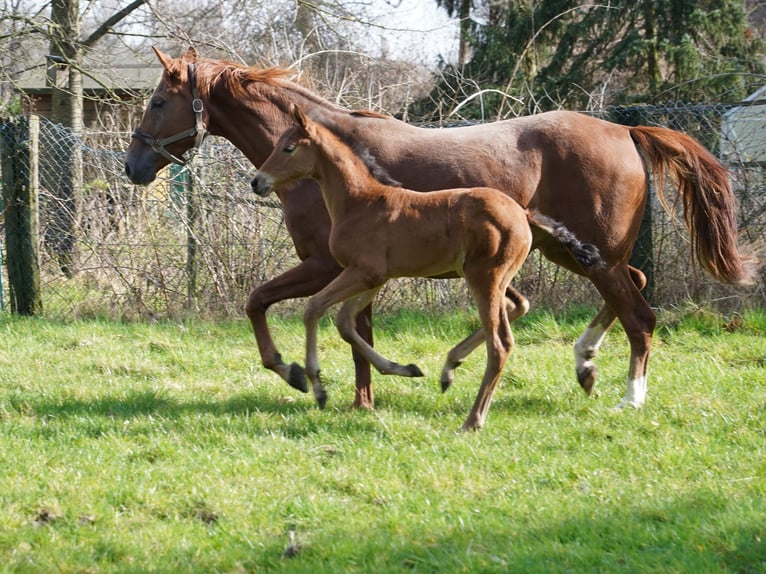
{"x": 364, "y": 397}
{"x": 307, "y": 278}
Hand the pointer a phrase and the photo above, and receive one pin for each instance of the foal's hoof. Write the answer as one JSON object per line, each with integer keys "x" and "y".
{"x": 413, "y": 370}
{"x": 446, "y": 384}
{"x": 297, "y": 378}
{"x": 470, "y": 426}
{"x": 587, "y": 378}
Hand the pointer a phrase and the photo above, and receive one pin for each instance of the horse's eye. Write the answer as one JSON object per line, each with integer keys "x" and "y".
{"x": 157, "y": 103}
{"x": 289, "y": 148}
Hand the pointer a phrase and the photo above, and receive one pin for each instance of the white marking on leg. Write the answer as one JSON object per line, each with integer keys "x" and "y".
{"x": 635, "y": 393}
{"x": 587, "y": 346}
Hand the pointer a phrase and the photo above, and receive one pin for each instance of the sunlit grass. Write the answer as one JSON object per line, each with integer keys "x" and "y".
{"x": 166, "y": 447}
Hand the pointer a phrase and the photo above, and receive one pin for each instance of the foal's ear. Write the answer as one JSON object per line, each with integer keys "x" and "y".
{"x": 300, "y": 117}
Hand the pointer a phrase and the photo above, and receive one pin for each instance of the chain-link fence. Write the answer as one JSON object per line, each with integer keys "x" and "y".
{"x": 172, "y": 248}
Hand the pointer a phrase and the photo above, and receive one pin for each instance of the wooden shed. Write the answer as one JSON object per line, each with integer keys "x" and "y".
{"x": 114, "y": 96}
{"x": 743, "y": 130}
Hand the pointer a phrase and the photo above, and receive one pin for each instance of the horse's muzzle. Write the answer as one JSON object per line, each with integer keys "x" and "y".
{"x": 262, "y": 184}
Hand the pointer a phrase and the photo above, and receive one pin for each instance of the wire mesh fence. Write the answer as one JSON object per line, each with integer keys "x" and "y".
{"x": 171, "y": 248}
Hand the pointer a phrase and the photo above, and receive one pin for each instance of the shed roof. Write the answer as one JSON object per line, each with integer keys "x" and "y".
{"x": 96, "y": 79}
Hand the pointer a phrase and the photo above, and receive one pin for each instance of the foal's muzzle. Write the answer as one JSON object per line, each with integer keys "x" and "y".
{"x": 262, "y": 184}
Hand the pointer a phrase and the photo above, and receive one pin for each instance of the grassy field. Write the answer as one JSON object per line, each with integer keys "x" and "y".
{"x": 168, "y": 448}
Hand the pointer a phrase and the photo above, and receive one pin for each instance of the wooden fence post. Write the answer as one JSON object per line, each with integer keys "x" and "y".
{"x": 20, "y": 162}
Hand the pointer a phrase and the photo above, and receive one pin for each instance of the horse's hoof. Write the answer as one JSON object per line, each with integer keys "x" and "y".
{"x": 321, "y": 400}
{"x": 625, "y": 404}
{"x": 414, "y": 370}
{"x": 587, "y": 378}
{"x": 297, "y": 378}
{"x": 446, "y": 384}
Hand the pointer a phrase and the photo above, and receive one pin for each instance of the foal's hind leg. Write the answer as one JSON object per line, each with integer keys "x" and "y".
{"x": 346, "y": 327}
{"x": 588, "y": 344}
{"x": 516, "y": 306}
{"x": 499, "y": 344}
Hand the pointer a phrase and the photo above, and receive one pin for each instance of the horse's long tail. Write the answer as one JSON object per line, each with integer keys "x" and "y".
{"x": 586, "y": 254}
{"x": 708, "y": 200}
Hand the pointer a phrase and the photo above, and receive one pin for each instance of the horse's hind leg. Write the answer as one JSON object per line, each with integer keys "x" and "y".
{"x": 620, "y": 289}
{"x": 516, "y": 306}
{"x": 589, "y": 342}
{"x": 345, "y": 323}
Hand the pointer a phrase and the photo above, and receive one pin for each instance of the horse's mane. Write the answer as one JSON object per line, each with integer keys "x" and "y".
{"x": 237, "y": 77}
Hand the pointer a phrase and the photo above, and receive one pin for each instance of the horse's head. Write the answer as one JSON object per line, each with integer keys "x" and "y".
{"x": 172, "y": 123}
{"x": 294, "y": 157}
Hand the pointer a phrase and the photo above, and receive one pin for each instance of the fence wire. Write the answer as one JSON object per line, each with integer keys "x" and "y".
{"x": 158, "y": 251}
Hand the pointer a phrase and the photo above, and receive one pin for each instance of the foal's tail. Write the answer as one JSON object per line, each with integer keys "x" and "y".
{"x": 586, "y": 254}
{"x": 708, "y": 200}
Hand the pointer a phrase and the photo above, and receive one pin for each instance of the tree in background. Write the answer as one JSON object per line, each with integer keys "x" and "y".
{"x": 562, "y": 53}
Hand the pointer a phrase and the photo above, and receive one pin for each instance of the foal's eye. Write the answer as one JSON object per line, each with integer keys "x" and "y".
{"x": 157, "y": 103}
{"x": 289, "y": 148}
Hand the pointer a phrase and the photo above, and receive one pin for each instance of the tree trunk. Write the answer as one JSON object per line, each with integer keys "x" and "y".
{"x": 464, "y": 50}
{"x": 65, "y": 80}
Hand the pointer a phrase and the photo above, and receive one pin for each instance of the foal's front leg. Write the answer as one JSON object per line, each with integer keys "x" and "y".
{"x": 350, "y": 282}
{"x": 345, "y": 323}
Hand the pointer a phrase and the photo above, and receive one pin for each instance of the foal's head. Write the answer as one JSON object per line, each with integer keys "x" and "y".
{"x": 298, "y": 154}
{"x": 295, "y": 156}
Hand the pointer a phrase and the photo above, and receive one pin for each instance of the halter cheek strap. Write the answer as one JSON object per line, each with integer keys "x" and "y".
{"x": 199, "y": 130}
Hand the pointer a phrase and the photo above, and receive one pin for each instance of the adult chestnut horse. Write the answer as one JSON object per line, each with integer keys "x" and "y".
{"x": 587, "y": 173}
{"x": 380, "y": 231}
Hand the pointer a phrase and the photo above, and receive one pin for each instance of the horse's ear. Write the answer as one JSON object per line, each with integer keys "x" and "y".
{"x": 172, "y": 67}
{"x": 191, "y": 54}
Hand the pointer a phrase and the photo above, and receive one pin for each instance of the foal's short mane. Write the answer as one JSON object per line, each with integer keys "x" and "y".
{"x": 376, "y": 170}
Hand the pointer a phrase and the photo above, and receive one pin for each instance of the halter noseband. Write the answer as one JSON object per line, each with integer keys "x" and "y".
{"x": 198, "y": 129}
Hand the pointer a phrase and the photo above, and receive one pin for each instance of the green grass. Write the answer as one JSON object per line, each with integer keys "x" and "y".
{"x": 168, "y": 448}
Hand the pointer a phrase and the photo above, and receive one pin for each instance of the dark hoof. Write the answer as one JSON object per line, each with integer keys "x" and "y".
{"x": 587, "y": 379}
{"x": 321, "y": 399}
{"x": 414, "y": 370}
{"x": 297, "y": 378}
{"x": 446, "y": 384}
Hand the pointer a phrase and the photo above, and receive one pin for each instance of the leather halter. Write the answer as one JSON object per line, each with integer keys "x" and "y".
{"x": 199, "y": 130}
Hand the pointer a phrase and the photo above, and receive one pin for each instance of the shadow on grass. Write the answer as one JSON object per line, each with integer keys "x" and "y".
{"x": 142, "y": 403}
{"x": 703, "y": 532}
{"x": 256, "y": 414}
